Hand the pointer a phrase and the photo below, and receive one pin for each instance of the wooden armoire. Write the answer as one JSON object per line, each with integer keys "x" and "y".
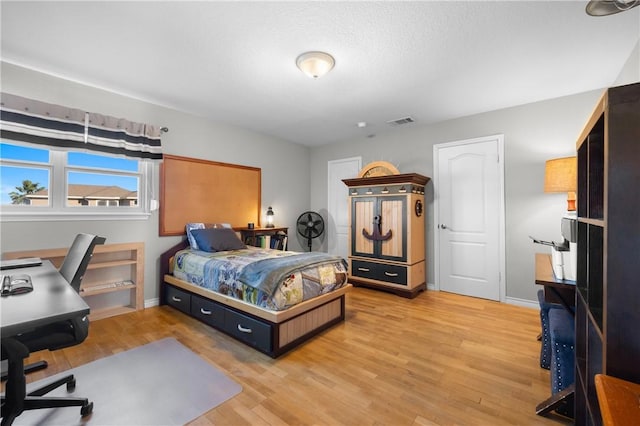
{"x": 387, "y": 233}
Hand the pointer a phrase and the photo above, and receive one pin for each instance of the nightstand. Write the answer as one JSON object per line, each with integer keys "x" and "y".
{"x": 275, "y": 238}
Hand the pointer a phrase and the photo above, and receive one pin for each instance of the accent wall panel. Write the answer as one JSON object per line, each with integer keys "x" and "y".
{"x": 195, "y": 190}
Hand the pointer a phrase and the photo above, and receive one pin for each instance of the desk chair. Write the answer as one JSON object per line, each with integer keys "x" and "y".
{"x": 52, "y": 337}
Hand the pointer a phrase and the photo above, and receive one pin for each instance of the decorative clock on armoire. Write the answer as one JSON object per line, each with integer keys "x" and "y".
{"x": 387, "y": 235}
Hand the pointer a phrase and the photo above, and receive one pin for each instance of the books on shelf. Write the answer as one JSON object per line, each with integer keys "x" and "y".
{"x": 276, "y": 241}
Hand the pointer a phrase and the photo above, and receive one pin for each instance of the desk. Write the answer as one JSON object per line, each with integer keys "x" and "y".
{"x": 555, "y": 290}
{"x": 618, "y": 400}
{"x": 52, "y": 300}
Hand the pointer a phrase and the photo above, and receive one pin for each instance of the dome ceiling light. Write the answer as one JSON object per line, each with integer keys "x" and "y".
{"x": 609, "y": 7}
{"x": 315, "y": 64}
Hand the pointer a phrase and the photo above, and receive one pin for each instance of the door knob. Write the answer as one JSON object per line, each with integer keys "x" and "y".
{"x": 443, "y": 226}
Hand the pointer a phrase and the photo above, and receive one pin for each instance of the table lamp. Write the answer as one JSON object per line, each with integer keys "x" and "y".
{"x": 270, "y": 218}
{"x": 561, "y": 175}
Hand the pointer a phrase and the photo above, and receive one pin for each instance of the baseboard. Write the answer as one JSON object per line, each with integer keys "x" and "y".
{"x": 509, "y": 300}
{"x": 152, "y": 302}
{"x": 522, "y": 302}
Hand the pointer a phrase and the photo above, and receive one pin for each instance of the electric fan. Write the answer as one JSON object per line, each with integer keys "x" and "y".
{"x": 310, "y": 225}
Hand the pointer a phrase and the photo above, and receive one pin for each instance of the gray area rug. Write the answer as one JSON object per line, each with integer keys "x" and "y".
{"x": 161, "y": 383}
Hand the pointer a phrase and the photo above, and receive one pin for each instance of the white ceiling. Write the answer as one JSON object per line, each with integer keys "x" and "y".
{"x": 234, "y": 62}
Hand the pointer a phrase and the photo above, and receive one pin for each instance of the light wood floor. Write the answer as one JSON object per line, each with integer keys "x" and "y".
{"x": 439, "y": 359}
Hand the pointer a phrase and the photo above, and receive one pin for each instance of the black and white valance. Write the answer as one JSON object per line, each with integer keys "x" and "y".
{"x": 38, "y": 122}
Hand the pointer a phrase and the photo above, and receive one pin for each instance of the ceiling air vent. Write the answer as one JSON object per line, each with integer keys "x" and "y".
{"x": 401, "y": 121}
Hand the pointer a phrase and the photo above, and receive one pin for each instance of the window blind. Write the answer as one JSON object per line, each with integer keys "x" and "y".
{"x": 33, "y": 121}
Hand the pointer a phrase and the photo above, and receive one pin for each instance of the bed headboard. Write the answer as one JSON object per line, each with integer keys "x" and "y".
{"x": 194, "y": 190}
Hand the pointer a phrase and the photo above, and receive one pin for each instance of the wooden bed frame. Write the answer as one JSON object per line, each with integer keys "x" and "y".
{"x": 271, "y": 332}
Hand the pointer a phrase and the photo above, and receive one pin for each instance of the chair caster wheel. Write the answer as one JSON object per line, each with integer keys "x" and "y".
{"x": 71, "y": 385}
{"x": 86, "y": 409}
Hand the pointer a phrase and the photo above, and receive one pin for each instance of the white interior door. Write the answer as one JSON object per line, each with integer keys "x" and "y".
{"x": 469, "y": 216}
{"x": 338, "y": 204}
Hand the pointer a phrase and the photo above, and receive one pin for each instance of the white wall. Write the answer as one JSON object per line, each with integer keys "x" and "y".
{"x": 533, "y": 133}
{"x": 188, "y": 136}
{"x": 631, "y": 71}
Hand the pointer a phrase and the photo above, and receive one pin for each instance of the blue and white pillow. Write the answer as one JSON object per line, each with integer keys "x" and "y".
{"x": 190, "y": 227}
{"x": 200, "y": 225}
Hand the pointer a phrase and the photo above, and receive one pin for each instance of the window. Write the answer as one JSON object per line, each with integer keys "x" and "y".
{"x": 25, "y": 174}
{"x": 37, "y": 181}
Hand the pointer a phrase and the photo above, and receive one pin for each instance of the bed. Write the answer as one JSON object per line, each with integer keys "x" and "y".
{"x": 271, "y": 300}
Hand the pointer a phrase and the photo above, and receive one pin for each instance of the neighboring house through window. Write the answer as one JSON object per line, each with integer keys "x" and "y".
{"x": 39, "y": 181}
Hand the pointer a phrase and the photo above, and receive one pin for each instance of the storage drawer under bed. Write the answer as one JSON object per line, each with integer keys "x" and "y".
{"x": 248, "y": 330}
{"x": 207, "y": 311}
{"x": 273, "y": 339}
{"x": 179, "y": 299}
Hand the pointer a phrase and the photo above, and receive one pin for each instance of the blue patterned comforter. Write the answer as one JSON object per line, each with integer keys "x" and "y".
{"x": 270, "y": 279}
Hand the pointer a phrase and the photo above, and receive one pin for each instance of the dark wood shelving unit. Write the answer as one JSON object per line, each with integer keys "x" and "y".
{"x": 608, "y": 280}
{"x": 277, "y": 237}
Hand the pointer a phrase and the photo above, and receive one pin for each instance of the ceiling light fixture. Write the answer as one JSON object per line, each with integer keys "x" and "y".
{"x": 609, "y": 7}
{"x": 315, "y": 64}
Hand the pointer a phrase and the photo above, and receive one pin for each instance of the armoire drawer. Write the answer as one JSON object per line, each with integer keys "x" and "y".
{"x": 379, "y": 271}
{"x": 207, "y": 311}
{"x": 247, "y": 329}
{"x": 179, "y": 299}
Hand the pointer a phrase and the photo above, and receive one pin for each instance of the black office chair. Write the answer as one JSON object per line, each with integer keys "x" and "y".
{"x": 52, "y": 337}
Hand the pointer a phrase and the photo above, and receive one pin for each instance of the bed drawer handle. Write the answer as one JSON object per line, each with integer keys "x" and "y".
{"x": 364, "y": 269}
{"x": 203, "y": 312}
{"x": 391, "y": 274}
{"x": 176, "y": 299}
{"x": 244, "y": 330}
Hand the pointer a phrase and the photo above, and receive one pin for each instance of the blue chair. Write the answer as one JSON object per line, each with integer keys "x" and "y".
{"x": 562, "y": 371}
{"x": 545, "y": 336}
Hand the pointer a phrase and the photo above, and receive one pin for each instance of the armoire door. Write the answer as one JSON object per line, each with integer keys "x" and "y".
{"x": 379, "y": 227}
{"x": 363, "y": 210}
{"x": 393, "y": 214}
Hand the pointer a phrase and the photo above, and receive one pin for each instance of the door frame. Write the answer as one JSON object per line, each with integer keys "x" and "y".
{"x": 499, "y": 138}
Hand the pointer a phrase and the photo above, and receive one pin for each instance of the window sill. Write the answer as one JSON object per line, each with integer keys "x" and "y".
{"x": 14, "y": 216}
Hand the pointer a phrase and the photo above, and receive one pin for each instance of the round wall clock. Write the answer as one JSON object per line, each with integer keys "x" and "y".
{"x": 378, "y": 168}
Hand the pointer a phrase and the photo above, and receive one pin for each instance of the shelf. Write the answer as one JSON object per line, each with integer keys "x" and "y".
{"x": 593, "y": 222}
{"x": 106, "y": 288}
{"x": 110, "y": 265}
{"x": 98, "y": 314}
{"x": 277, "y": 237}
{"x": 607, "y": 318}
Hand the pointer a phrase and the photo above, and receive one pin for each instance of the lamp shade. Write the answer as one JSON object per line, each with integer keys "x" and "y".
{"x": 561, "y": 175}
{"x": 270, "y": 218}
{"x": 315, "y": 64}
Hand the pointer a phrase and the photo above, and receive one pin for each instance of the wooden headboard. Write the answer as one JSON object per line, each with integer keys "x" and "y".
{"x": 194, "y": 190}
